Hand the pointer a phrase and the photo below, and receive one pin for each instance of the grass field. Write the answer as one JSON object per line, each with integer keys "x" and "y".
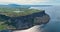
{"x": 15, "y": 12}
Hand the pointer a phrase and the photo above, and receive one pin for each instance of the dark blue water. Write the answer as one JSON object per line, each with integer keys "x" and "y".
{"x": 54, "y": 13}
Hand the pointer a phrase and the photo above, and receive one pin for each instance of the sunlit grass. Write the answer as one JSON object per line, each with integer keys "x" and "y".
{"x": 2, "y": 27}
{"x": 10, "y": 12}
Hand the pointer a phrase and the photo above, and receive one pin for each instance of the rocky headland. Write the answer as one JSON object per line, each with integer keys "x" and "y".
{"x": 25, "y": 21}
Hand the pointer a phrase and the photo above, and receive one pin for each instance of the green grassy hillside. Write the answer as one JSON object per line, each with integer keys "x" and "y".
{"x": 17, "y": 11}
{"x": 14, "y": 12}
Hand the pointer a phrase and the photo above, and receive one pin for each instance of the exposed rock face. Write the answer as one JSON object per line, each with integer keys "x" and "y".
{"x": 28, "y": 21}
{"x": 39, "y": 18}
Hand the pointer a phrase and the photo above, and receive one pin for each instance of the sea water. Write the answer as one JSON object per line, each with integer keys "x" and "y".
{"x": 54, "y": 13}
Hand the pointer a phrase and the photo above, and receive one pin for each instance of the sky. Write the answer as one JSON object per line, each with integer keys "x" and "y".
{"x": 31, "y": 2}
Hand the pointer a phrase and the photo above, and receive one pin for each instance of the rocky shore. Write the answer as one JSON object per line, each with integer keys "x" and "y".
{"x": 28, "y": 21}
{"x": 39, "y": 18}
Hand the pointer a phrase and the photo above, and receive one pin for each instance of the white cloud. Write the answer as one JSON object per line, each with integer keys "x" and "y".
{"x": 23, "y": 1}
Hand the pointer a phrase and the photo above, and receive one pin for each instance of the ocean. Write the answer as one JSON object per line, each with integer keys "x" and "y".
{"x": 54, "y": 13}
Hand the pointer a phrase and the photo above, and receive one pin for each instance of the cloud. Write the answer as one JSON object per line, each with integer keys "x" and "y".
{"x": 23, "y": 1}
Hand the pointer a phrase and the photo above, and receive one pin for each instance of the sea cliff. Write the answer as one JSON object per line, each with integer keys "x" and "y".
{"x": 25, "y": 21}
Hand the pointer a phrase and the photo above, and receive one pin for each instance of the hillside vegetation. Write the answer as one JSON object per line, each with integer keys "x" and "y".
{"x": 17, "y": 11}
{"x": 7, "y": 20}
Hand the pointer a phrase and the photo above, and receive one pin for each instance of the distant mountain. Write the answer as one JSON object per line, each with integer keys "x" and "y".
{"x": 23, "y": 6}
{"x": 14, "y": 6}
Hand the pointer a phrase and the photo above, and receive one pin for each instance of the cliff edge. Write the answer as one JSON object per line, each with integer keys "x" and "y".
{"x": 24, "y": 20}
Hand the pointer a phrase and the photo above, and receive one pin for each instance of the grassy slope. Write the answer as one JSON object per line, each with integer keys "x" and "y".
{"x": 10, "y": 12}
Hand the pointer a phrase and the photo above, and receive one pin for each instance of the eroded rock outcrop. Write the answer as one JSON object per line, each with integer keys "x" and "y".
{"x": 25, "y": 22}
{"x": 28, "y": 21}
{"x": 38, "y": 19}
